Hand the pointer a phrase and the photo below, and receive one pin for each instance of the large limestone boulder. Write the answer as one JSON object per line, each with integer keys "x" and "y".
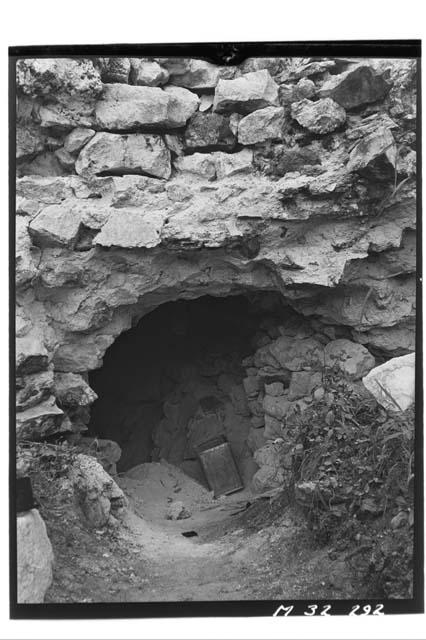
{"x": 357, "y": 86}
{"x": 392, "y": 383}
{"x": 261, "y": 125}
{"x": 246, "y": 94}
{"x": 353, "y": 359}
{"x": 98, "y": 498}
{"x": 322, "y": 116}
{"x": 126, "y": 107}
{"x": 133, "y": 153}
{"x": 34, "y": 558}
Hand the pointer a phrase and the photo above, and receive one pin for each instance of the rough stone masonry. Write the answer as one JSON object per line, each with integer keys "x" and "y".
{"x": 144, "y": 181}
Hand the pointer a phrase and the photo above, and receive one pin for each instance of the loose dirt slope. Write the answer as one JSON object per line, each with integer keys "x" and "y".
{"x": 240, "y": 553}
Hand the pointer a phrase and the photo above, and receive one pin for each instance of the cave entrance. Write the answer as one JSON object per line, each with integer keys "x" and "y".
{"x": 174, "y": 381}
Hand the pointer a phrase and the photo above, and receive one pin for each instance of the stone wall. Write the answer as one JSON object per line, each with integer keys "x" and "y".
{"x": 146, "y": 181}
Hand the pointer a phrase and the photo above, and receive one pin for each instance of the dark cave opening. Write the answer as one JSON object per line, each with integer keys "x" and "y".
{"x": 174, "y": 381}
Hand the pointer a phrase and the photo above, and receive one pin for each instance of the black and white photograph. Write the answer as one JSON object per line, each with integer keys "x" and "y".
{"x": 217, "y": 345}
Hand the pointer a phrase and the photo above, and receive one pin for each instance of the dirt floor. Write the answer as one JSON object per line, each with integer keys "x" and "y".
{"x": 245, "y": 549}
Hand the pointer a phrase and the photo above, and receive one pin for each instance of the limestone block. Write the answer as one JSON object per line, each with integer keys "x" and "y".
{"x": 114, "y": 69}
{"x": 25, "y": 265}
{"x": 31, "y": 354}
{"x": 352, "y": 358}
{"x": 297, "y": 355}
{"x": 41, "y": 421}
{"x": 107, "y": 452}
{"x": 34, "y": 558}
{"x": 127, "y": 107}
{"x": 251, "y": 91}
{"x": 182, "y": 105}
{"x": 392, "y": 383}
{"x": 271, "y": 474}
{"x": 303, "y": 383}
{"x": 55, "y": 76}
{"x": 147, "y": 73}
{"x": 378, "y": 143}
{"x": 199, "y": 164}
{"x": 267, "y": 478}
{"x": 47, "y": 190}
{"x": 30, "y": 140}
{"x": 77, "y": 138}
{"x": 261, "y": 125}
{"x": 276, "y": 406}
{"x": 209, "y": 130}
{"x": 197, "y": 74}
{"x": 96, "y": 494}
{"x": 357, "y": 86}
{"x": 273, "y": 428}
{"x": 33, "y": 388}
{"x": 131, "y": 228}
{"x": 133, "y": 153}
{"x": 274, "y": 389}
{"x": 71, "y": 390}
{"x": 55, "y": 225}
{"x": 322, "y": 116}
{"x": 229, "y": 164}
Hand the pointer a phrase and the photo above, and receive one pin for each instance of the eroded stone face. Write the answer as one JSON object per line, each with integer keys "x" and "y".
{"x": 134, "y": 153}
{"x": 147, "y": 181}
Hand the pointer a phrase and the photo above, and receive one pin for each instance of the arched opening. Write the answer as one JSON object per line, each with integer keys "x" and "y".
{"x": 175, "y": 381}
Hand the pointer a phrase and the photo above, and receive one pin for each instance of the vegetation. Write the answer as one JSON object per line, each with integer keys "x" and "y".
{"x": 353, "y": 475}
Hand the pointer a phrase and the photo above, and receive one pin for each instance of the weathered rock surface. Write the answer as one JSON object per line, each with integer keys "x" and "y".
{"x": 147, "y": 73}
{"x": 263, "y": 124}
{"x": 125, "y": 107}
{"x": 134, "y": 153}
{"x": 378, "y": 143}
{"x": 34, "y": 558}
{"x": 195, "y": 74}
{"x": 322, "y": 116}
{"x": 75, "y": 140}
{"x": 355, "y": 87}
{"x": 114, "y": 69}
{"x": 271, "y": 474}
{"x": 109, "y": 228}
{"x": 57, "y": 76}
{"x": 246, "y": 94}
{"x": 209, "y": 130}
{"x": 98, "y": 498}
{"x": 107, "y": 452}
{"x": 131, "y": 229}
{"x": 392, "y": 383}
{"x": 353, "y": 359}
